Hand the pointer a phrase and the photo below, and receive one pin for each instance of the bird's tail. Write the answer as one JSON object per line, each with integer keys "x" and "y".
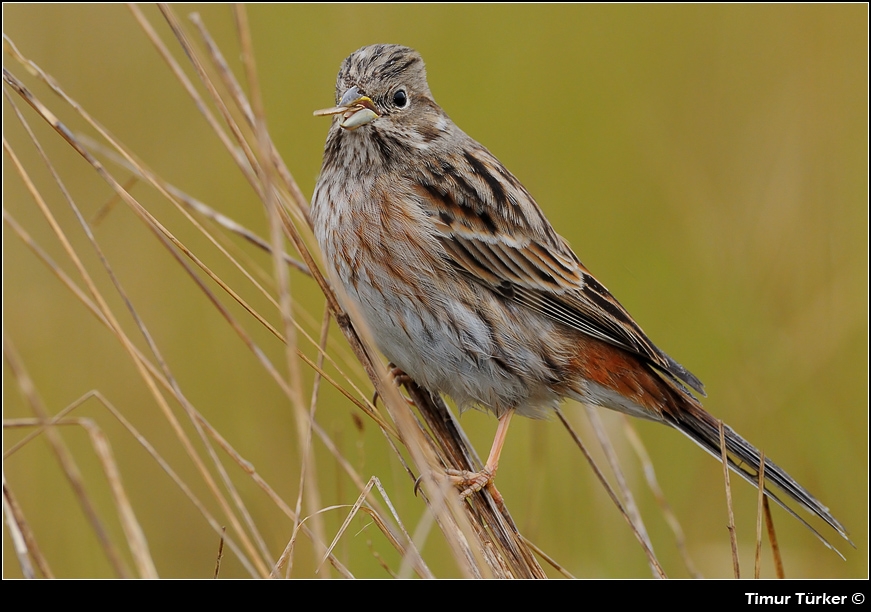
{"x": 744, "y": 459}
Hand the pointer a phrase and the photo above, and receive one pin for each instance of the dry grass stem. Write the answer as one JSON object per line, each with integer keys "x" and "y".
{"x": 760, "y": 500}
{"x": 733, "y": 536}
{"x": 628, "y": 499}
{"x": 772, "y": 539}
{"x": 67, "y": 462}
{"x": 659, "y": 496}
{"x": 651, "y": 558}
{"x": 23, "y": 538}
{"x": 101, "y": 302}
{"x": 220, "y": 556}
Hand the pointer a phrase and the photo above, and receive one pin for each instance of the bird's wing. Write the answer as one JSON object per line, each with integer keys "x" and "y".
{"x": 493, "y": 231}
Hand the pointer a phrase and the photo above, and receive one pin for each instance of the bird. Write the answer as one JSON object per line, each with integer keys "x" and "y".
{"x": 470, "y": 292}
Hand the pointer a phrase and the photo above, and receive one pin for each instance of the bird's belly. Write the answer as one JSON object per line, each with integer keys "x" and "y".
{"x": 451, "y": 347}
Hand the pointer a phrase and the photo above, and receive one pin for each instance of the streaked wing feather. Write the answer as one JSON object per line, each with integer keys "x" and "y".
{"x": 494, "y": 233}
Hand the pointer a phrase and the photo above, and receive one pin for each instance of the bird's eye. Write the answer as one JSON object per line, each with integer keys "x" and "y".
{"x": 400, "y": 99}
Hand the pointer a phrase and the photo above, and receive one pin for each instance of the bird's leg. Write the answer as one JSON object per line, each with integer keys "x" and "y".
{"x": 472, "y": 482}
{"x": 397, "y": 377}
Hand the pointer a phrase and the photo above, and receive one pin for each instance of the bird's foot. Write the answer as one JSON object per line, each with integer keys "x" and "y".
{"x": 472, "y": 482}
{"x": 397, "y": 377}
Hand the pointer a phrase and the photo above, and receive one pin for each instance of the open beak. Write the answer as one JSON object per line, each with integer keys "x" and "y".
{"x": 356, "y": 110}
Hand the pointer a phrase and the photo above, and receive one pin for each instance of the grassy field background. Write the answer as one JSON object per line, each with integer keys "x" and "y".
{"x": 708, "y": 163}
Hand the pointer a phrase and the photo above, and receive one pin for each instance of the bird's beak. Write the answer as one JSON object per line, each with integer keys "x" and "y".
{"x": 356, "y": 110}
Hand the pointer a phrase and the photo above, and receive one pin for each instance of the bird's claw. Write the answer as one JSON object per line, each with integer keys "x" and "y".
{"x": 470, "y": 482}
{"x": 398, "y": 377}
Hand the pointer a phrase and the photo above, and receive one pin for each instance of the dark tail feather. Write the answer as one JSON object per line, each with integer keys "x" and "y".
{"x": 744, "y": 459}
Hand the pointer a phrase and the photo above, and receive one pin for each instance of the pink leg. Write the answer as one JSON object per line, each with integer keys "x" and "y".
{"x": 472, "y": 482}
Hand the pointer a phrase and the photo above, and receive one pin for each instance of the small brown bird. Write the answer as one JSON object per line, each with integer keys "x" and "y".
{"x": 468, "y": 289}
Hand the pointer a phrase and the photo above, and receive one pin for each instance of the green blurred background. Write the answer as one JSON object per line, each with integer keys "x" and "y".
{"x": 708, "y": 163}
